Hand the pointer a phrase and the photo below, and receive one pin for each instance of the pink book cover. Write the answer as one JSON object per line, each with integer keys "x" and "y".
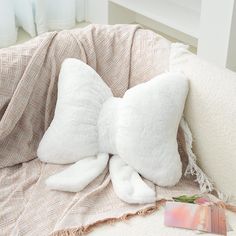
{"x": 208, "y": 218}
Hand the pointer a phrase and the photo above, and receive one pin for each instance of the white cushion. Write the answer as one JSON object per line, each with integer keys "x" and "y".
{"x": 140, "y": 130}
{"x": 211, "y": 114}
{"x": 147, "y": 127}
{"x": 73, "y": 134}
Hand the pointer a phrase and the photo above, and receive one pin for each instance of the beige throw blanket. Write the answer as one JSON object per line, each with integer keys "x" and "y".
{"x": 123, "y": 56}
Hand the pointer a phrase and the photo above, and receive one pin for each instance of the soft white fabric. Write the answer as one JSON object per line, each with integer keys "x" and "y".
{"x": 148, "y": 122}
{"x": 37, "y": 16}
{"x": 211, "y": 114}
{"x": 141, "y": 128}
{"x": 8, "y": 31}
{"x": 79, "y": 175}
{"x": 127, "y": 183}
{"x": 73, "y": 134}
{"x": 107, "y": 125}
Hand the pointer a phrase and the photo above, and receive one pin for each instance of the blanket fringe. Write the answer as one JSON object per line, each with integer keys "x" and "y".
{"x": 192, "y": 168}
{"x": 83, "y": 230}
{"x": 226, "y": 206}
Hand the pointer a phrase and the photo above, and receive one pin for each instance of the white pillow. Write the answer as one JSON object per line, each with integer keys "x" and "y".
{"x": 211, "y": 114}
{"x": 73, "y": 134}
{"x": 148, "y": 122}
{"x": 140, "y": 130}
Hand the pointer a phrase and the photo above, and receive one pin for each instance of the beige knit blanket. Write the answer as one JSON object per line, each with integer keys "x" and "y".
{"x": 123, "y": 56}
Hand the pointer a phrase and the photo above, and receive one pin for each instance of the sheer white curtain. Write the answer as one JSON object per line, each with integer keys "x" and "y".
{"x": 37, "y": 16}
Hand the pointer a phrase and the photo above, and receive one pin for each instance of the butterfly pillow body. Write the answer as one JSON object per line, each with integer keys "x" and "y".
{"x": 137, "y": 131}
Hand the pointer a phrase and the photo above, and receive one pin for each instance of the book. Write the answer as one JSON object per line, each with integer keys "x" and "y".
{"x": 207, "y": 218}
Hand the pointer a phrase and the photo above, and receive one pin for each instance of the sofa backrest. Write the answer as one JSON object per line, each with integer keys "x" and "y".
{"x": 211, "y": 114}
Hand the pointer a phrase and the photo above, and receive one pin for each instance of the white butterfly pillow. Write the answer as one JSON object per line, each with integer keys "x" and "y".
{"x": 139, "y": 130}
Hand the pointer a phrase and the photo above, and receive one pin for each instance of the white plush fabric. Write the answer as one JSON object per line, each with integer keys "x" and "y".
{"x": 140, "y": 129}
{"x": 61, "y": 14}
{"x": 127, "y": 183}
{"x": 148, "y": 121}
{"x": 211, "y": 114}
{"x": 69, "y": 179}
{"x": 73, "y": 134}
